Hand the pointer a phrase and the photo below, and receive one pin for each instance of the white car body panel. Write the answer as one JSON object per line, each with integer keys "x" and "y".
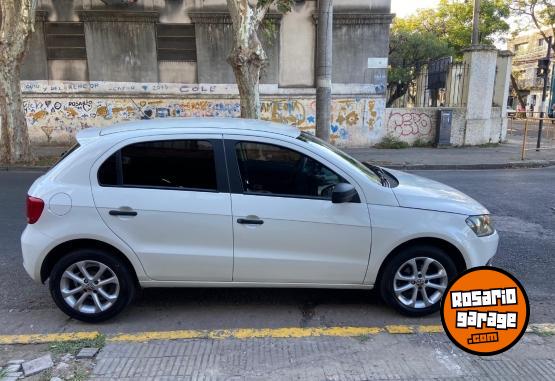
{"x": 392, "y": 227}
{"x": 420, "y": 193}
{"x": 303, "y": 242}
{"x": 179, "y": 235}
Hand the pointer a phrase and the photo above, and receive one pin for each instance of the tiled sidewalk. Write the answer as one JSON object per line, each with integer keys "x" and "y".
{"x": 384, "y": 357}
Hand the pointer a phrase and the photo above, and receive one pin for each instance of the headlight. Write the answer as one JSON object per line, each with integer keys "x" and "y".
{"x": 481, "y": 225}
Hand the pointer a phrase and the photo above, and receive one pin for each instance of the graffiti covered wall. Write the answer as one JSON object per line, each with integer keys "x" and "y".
{"x": 412, "y": 124}
{"x": 56, "y": 117}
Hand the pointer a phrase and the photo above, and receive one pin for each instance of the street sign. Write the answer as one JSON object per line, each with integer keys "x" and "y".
{"x": 377, "y": 63}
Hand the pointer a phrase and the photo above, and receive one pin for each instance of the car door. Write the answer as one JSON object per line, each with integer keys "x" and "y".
{"x": 286, "y": 229}
{"x": 169, "y": 200}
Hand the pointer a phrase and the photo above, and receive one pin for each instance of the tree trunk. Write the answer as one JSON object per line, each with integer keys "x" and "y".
{"x": 247, "y": 57}
{"x": 14, "y": 138}
{"x": 16, "y": 25}
{"x": 517, "y": 91}
{"x": 400, "y": 90}
{"x": 247, "y": 64}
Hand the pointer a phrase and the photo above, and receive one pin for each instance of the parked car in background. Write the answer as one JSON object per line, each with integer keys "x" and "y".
{"x": 240, "y": 203}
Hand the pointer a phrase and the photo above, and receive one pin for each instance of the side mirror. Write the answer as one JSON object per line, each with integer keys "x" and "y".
{"x": 343, "y": 192}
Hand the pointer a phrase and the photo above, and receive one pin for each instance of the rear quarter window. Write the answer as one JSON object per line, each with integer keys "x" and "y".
{"x": 64, "y": 155}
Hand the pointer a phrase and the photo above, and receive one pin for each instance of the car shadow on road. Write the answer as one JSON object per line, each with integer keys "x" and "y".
{"x": 221, "y": 308}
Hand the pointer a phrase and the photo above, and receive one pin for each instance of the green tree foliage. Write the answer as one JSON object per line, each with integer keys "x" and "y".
{"x": 451, "y": 21}
{"x": 409, "y": 50}
{"x": 438, "y": 32}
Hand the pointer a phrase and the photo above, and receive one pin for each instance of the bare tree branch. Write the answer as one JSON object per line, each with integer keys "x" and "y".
{"x": 260, "y": 13}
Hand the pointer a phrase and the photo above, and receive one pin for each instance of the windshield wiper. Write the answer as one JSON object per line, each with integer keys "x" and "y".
{"x": 381, "y": 174}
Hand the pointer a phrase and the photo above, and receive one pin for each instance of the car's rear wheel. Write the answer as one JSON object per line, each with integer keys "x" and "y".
{"x": 91, "y": 285}
{"x": 415, "y": 279}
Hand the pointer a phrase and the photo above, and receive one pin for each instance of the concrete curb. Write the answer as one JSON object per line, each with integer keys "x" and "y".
{"x": 24, "y": 168}
{"x": 483, "y": 166}
{"x": 245, "y": 333}
{"x": 404, "y": 167}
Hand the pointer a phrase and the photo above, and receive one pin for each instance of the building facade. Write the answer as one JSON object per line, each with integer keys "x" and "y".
{"x": 94, "y": 64}
{"x": 528, "y": 49}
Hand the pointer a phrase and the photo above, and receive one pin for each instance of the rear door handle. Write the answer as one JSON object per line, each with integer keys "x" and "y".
{"x": 247, "y": 221}
{"x": 127, "y": 213}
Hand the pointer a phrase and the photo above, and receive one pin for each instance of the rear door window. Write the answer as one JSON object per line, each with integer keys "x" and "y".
{"x": 179, "y": 164}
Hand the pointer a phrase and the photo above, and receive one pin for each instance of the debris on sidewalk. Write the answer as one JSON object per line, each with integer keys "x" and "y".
{"x": 45, "y": 362}
{"x": 37, "y": 365}
{"x": 87, "y": 353}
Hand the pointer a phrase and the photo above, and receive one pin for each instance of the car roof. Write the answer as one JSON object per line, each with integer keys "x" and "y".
{"x": 177, "y": 125}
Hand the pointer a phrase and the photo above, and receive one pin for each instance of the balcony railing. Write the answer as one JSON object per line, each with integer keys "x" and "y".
{"x": 527, "y": 83}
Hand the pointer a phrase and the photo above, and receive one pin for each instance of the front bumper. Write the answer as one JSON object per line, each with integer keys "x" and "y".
{"x": 480, "y": 251}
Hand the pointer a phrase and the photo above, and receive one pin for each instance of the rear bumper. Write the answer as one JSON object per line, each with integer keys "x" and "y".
{"x": 33, "y": 245}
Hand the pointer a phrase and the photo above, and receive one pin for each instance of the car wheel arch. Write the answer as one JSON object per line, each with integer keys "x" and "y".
{"x": 63, "y": 248}
{"x": 449, "y": 248}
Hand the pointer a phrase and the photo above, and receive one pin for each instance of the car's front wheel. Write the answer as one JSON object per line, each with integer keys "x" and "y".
{"x": 91, "y": 285}
{"x": 414, "y": 281}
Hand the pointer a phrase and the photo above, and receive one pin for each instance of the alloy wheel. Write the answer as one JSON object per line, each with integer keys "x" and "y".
{"x": 420, "y": 282}
{"x": 89, "y": 287}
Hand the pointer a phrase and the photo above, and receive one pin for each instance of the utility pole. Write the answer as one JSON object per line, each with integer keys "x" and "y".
{"x": 476, "y": 23}
{"x": 323, "y": 69}
{"x": 545, "y": 63}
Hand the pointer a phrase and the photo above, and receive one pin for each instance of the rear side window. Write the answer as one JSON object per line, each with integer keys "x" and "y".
{"x": 180, "y": 164}
{"x": 107, "y": 174}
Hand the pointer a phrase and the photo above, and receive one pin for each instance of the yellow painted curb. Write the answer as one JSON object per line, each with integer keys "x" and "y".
{"x": 399, "y": 329}
{"x": 244, "y": 333}
{"x": 47, "y": 337}
{"x": 543, "y": 329}
{"x": 247, "y": 333}
{"x": 430, "y": 329}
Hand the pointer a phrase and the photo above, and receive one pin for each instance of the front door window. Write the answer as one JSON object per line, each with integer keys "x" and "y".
{"x": 272, "y": 170}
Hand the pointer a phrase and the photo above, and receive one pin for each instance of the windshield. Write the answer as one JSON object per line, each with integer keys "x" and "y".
{"x": 311, "y": 139}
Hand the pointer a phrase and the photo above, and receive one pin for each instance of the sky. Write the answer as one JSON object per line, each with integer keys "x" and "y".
{"x": 406, "y": 7}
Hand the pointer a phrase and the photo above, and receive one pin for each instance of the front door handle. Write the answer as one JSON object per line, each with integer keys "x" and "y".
{"x": 247, "y": 221}
{"x": 127, "y": 213}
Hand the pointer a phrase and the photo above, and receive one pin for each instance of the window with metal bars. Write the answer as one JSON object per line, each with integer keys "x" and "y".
{"x": 176, "y": 42}
{"x": 65, "y": 41}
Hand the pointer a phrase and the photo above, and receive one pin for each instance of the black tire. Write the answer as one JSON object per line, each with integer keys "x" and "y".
{"x": 387, "y": 279}
{"x": 127, "y": 286}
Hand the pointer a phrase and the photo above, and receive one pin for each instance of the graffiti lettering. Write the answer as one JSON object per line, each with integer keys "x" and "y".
{"x": 403, "y": 124}
{"x": 58, "y": 118}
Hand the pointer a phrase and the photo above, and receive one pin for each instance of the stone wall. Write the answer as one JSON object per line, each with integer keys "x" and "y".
{"x": 420, "y": 124}
{"x": 411, "y": 124}
{"x": 56, "y": 111}
{"x": 121, "y": 43}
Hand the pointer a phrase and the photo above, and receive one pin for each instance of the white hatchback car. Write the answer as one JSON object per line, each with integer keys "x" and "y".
{"x": 240, "y": 203}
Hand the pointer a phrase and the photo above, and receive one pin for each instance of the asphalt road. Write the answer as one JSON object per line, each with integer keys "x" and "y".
{"x": 522, "y": 202}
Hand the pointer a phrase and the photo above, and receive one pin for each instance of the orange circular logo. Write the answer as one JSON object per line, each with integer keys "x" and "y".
{"x": 485, "y": 311}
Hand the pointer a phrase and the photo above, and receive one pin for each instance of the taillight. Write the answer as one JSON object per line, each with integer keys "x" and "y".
{"x": 34, "y": 209}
